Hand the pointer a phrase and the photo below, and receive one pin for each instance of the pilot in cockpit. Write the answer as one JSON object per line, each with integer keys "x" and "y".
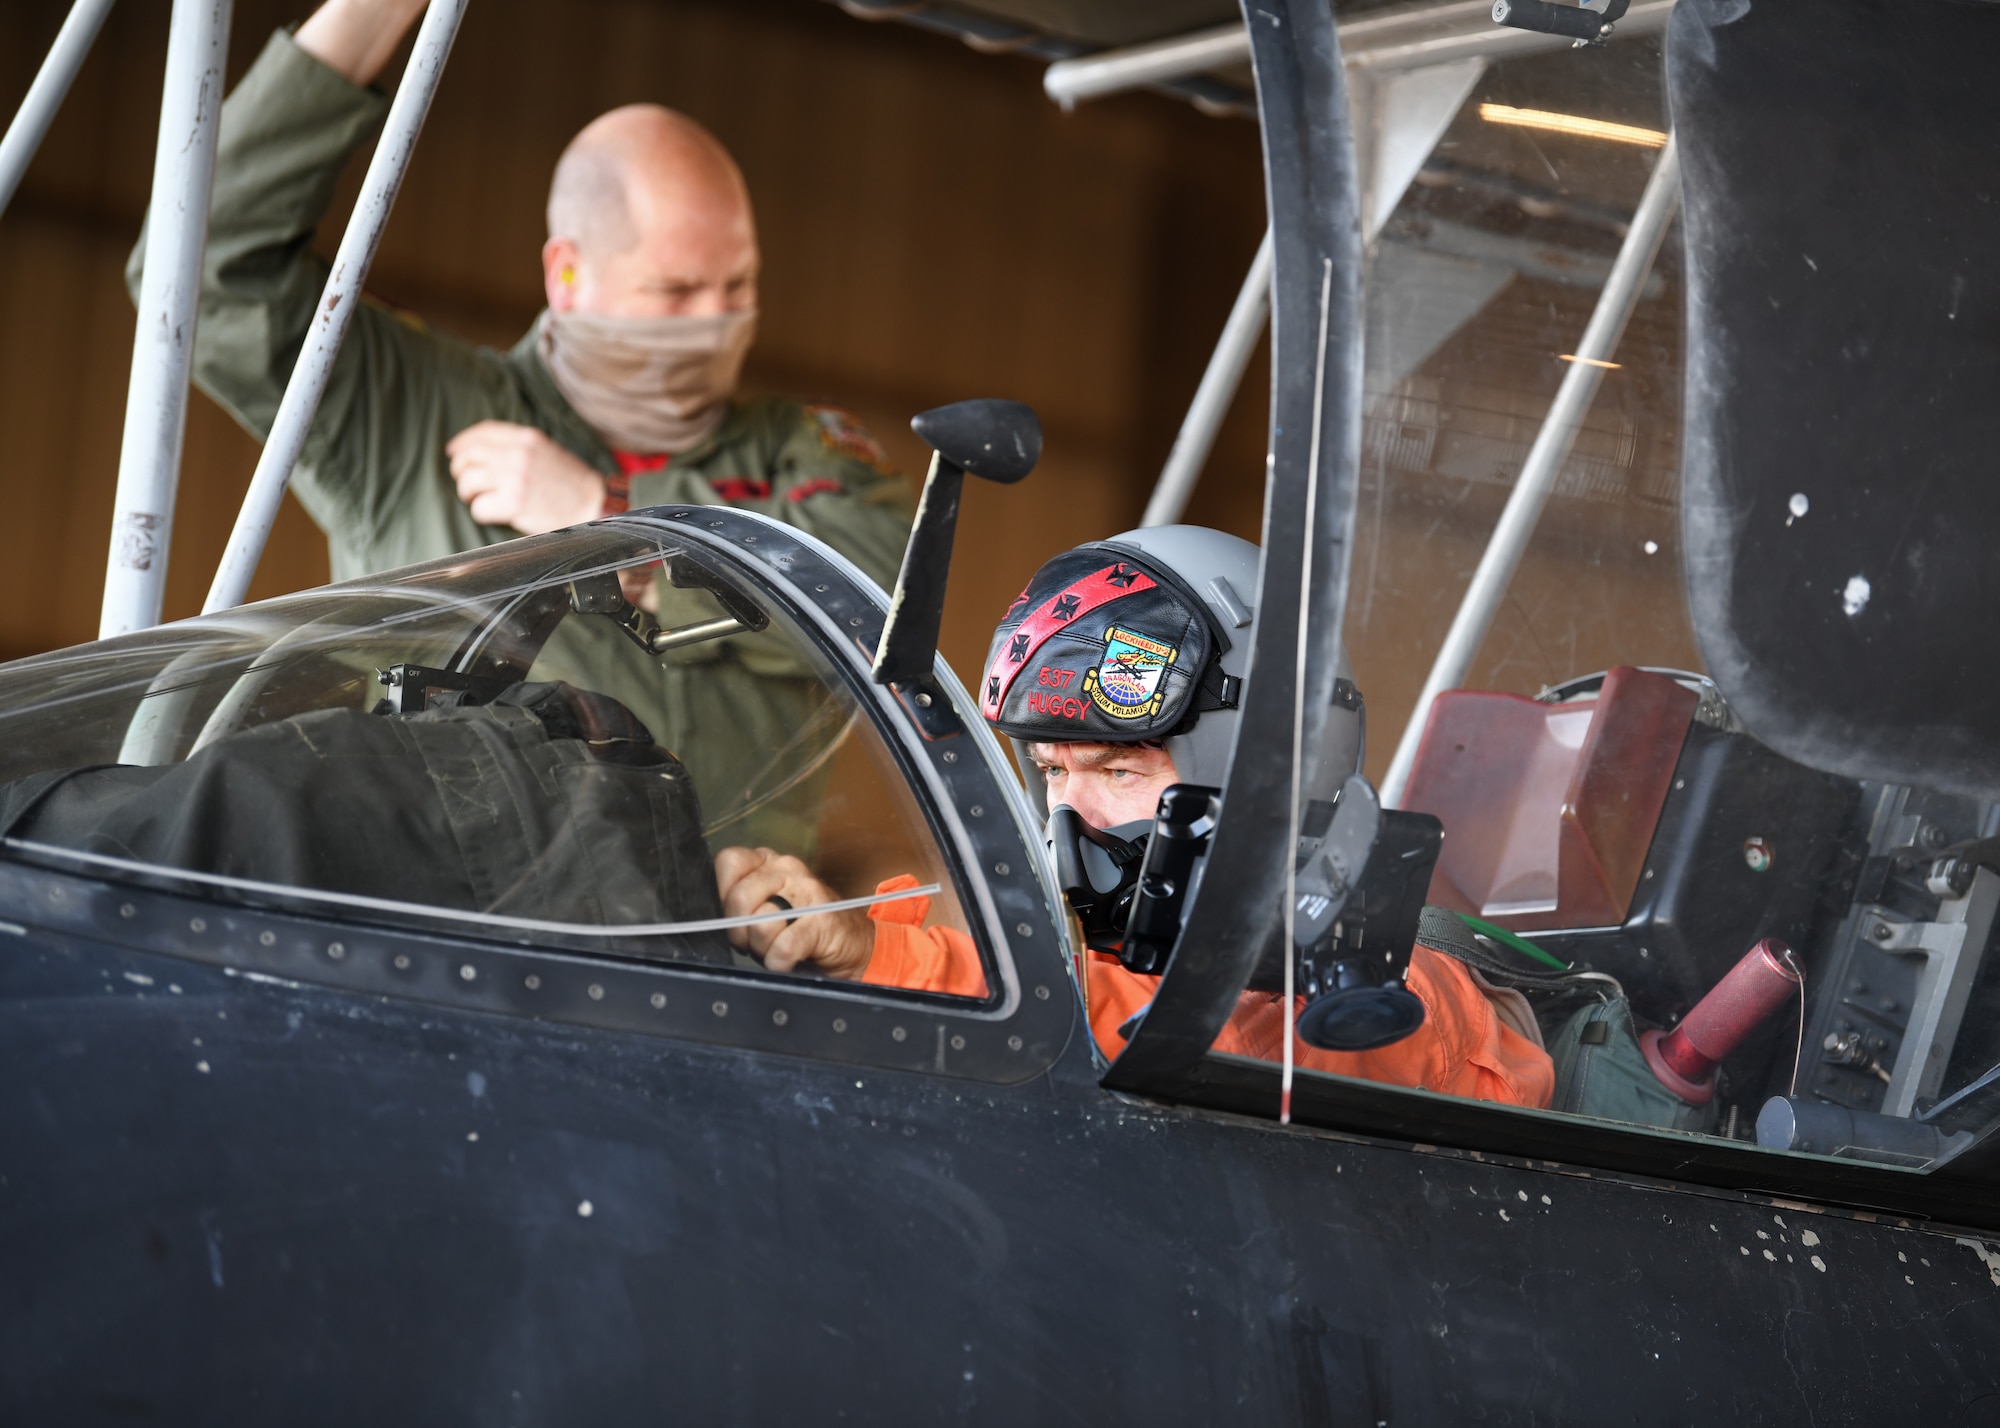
{"x": 1107, "y": 673}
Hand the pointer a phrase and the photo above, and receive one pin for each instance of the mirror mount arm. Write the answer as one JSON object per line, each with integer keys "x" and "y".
{"x": 916, "y": 609}
{"x": 997, "y": 440}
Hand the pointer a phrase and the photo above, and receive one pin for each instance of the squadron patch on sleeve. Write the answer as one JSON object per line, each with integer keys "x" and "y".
{"x": 1127, "y": 682}
{"x": 843, "y": 432}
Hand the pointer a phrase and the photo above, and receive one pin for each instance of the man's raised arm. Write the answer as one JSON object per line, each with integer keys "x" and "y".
{"x": 354, "y": 38}
{"x": 287, "y": 131}
{"x": 398, "y": 390}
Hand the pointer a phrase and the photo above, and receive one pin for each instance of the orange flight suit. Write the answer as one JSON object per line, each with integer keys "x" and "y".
{"x": 1462, "y": 1049}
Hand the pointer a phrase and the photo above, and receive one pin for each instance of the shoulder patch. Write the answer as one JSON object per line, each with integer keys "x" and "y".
{"x": 843, "y": 432}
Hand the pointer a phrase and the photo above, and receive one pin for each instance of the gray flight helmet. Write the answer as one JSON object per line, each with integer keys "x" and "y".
{"x": 1221, "y": 570}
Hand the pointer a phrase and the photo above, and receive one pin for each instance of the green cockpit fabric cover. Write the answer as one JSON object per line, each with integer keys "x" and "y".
{"x": 1601, "y": 1072}
{"x": 550, "y": 802}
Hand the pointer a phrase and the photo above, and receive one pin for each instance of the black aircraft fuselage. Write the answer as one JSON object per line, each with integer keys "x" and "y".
{"x": 263, "y": 1159}
{"x": 317, "y": 1206}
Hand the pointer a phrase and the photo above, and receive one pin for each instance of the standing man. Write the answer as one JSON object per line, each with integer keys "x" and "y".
{"x": 623, "y": 392}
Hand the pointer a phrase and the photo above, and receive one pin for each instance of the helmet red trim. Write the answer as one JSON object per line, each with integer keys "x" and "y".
{"x": 1101, "y": 588}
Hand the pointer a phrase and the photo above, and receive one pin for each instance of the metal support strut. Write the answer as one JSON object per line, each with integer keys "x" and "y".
{"x": 336, "y": 307}
{"x": 1387, "y": 41}
{"x": 1067, "y": 81}
{"x": 45, "y": 95}
{"x": 1217, "y": 391}
{"x": 1531, "y": 492}
{"x": 149, "y": 461}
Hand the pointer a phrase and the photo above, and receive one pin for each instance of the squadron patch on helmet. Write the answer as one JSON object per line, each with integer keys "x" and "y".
{"x": 1128, "y": 683}
{"x": 843, "y": 432}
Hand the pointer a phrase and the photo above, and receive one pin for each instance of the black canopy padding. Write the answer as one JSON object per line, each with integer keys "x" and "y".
{"x": 1841, "y": 489}
{"x": 551, "y": 803}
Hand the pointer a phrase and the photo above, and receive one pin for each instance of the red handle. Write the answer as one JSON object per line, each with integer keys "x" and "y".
{"x": 1685, "y": 1058}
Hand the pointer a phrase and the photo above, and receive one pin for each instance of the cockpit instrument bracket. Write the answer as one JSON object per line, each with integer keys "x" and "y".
{"x": 1589, "y": 23}
{"x": 410, "y": 688}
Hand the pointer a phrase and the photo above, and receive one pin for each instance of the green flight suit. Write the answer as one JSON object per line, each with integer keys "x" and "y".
{"x": 374, "y": 475}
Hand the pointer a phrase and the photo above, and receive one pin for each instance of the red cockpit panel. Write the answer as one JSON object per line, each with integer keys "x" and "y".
{"x": 1548, "y": 809}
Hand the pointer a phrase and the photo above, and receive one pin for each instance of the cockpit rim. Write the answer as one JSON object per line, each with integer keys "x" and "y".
{"x": 975, "y": 807}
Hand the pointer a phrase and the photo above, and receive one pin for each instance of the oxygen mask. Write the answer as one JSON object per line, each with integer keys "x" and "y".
{"x": 1130, "y": 884}
{"x": 1098, "y": 872}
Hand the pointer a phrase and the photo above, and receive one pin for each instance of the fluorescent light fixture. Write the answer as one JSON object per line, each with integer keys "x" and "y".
{"x": 1572, "y": 124}
{"x": 1589, "y": 361}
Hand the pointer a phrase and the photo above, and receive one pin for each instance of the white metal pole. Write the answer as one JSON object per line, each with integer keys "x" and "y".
{"x": 1213, "y": 397}
{"x": 1067, "y": 81}
{"x": 336, "y": 307}
{"x": 149, "y": 462}
{"x": 1545, "y": 458}
{"x": 1404, "y": 37}
{"x": 45, "y": 95}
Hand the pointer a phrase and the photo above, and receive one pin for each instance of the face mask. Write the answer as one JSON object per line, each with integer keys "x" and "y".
{"x": 648, "y": 384}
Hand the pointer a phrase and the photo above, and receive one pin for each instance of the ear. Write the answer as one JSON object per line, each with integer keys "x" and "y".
{"x": 561, "y": 273}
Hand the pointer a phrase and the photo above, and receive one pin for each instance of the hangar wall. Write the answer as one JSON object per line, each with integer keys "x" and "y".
{"x": 933, "y": 228}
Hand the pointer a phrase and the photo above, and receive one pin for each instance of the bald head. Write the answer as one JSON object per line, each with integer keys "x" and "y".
{"x": 649, "y": 216}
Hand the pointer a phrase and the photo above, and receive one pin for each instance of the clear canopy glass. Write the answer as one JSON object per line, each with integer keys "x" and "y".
{"x": 1622, "y": 842}
{"x": 555, "y": 739}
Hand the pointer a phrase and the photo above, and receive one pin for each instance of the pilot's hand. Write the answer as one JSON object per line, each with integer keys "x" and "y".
{"x": 517, "y": 476}
{"x": 838, "y": 943}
